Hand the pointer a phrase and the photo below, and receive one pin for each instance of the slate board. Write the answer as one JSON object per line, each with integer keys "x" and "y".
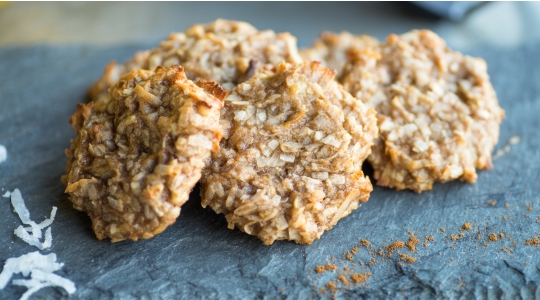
{"x": 199, "y": 257}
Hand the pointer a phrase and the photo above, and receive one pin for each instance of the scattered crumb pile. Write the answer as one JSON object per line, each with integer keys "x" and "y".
{"x": 3, "y": 153}
{"x": 535, "y": 241}
{"x": 39, "y": 267}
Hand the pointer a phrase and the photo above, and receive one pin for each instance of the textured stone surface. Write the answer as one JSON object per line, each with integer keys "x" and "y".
{"x": 199, "y": 257}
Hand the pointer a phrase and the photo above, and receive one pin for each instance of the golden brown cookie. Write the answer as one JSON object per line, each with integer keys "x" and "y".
{"x": 289, "y": 165}
{"x": 438, "y": 114}
{"x": 331, "y": 48}
{"x": 140, "y": 150}
{"x": 223, "y": 51}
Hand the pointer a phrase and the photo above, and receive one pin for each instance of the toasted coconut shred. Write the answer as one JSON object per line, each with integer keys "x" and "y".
{"x": 289, "y": 166}
{"x": 39, "y": 267}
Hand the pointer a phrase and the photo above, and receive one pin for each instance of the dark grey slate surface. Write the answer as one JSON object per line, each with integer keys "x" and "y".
{"x": 199, "y": 257}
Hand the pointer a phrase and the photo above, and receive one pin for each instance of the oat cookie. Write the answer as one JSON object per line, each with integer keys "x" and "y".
{"x": 223, "y": 51}
{"x": 139, "y": 151}
{"x": 438, "y": 114}
{"x": 331, "y": 48}
{"x": 289, "y": 165}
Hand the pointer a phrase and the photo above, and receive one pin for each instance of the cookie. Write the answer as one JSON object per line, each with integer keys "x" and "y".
{"x": 223, "y": 51}
{"x": 437, "y": 112}
{"x": 331, "y": 48}
{"x": 289, "y": 165}
{"x": 140, "y": 150}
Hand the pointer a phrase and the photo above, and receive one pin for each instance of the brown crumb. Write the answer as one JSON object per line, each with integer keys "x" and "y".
{"x": 466, "y": 226}
{"x": 426, "y": 244}
{"x": 513, "y": 244}
{"x": 328, "y": 267}
{"x": 407, "y": 259}
{"x": 411, "y": 244}
{"x": 504, "y": 218}
{"x": 372, "y": 261}
{"x": 485, "y": 244}
{"x": 322, "y": 291}
{"x": 348, "y": 256}
{"x": 429, "y": 238}
{"x": 343, "y": 279}
{"x": 454, "y": 237}
{"x": 492, "y": 202}
{"x": 380, "y": 252}
{"x": 354, "y": 250}
{"x": 364, "y": 242}
{"x": 360, "y": 278}
{"x": 493, "y": 237}
{"x": 331, "y": 286}
{"x": 453, "y": 247}
{"x": 395, "y": 245}
{"x": 535, "y": 241}
{"x": 345, "y": 268}
{"x": 501, "y": 235}
{"x": 442, "y": 229}
{"x": 461, "y": 235}
{"x": 529, "y": 208}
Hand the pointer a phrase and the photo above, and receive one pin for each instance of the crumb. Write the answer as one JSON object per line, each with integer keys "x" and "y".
{"x": 485, "y": 244}
{"x": 454, "y": 237}
{"x": 493, "y": 237}
{"x": 504, "y": 218}
{"x": 529, "y": 208}
{"x": 364, "y": 242}
{"x": 348, "y": 256}
{"x": 394, "y": 246}
{"x": 343, "y": 279}
{"x": 354, "y": 250}
{"x": 346, "y": 269}
{"x": 380, "y": 252}
{"x": 407, "y": 259}
{"x": 461, "y": 235}
{"x": 535, "y": 241}
{"x": 411, "y": 244}
{"x": 466, "y": 226}
{"x": 442, "y": 229}
{"x": 452, "y": 247}
{"x": 360, "y": 278}
{"x": 331, "y": 286}
{"x": 492, "y": 202}
{"x": 320, "y": 269}
{"x": 501, "y": 235}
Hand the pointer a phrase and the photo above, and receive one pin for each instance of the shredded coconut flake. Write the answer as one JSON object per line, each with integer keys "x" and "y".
{"x": 40, "y": 268}
{"x": 35, "y": 229}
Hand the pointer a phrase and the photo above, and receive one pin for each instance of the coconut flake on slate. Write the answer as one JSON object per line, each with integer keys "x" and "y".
{"x": 40, "y": 268}
{"x": 24, "y": 232}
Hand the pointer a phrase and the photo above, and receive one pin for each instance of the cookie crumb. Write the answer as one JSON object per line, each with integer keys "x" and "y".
{"x": 407, "y": 259}
{"x": 493, "y": 237}
{"x": 466, "y": 226}
{"x": 442, "y": 229}
{"x": 360, "y": 277}
{"x": 411, "y": 244}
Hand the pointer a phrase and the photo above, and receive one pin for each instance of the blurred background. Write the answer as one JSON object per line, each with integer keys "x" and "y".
{"x": 464, "y": 25}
